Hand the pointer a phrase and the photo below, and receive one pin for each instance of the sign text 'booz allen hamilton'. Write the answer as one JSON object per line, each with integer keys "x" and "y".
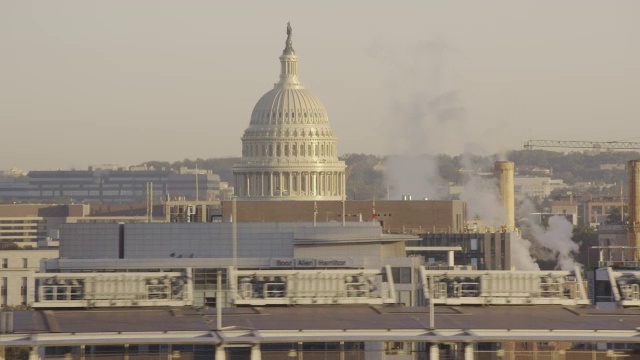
{"x": 310, "y": 263}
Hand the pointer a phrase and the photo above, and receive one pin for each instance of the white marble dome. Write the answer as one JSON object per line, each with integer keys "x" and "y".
{"x": 289, "y": 149}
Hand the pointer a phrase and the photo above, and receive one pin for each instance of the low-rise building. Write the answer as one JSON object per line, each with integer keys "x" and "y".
{"x": 17, "y": 270}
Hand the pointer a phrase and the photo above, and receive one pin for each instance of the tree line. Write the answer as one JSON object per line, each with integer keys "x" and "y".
{"x": 365, "y": 176}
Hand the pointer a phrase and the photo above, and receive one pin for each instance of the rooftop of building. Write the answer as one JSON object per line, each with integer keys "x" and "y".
{"x": 327, "y": 323}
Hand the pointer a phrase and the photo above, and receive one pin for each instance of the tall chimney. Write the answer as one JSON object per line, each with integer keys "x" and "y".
{"x": 503, "y": 171}
{"x": 633, "y": 168}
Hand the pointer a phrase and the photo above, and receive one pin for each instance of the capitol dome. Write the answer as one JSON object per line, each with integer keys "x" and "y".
{"x": 289, "y": 149}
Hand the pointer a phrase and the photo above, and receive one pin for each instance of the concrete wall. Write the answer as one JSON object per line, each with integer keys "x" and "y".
{"x": 200, "y": 240}
{"x": 42, "y": 210}
{"x": 207, "y": 240}
{"x": 395, "y": 215}
{"x": 89, "y": 241}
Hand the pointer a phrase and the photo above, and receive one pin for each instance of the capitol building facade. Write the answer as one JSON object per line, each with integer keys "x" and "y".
{"x": 289, "y": 151}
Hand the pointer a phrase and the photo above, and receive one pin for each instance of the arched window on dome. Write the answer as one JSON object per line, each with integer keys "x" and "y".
{"x": 270, "y": 150}
{"x": 264, "y": 150}
{"x": 278, "y": 150}
{"x": 286, "y": 149}
{"x": 317, "y": 153}
{"x": 294, "y": 149}
{"x": 322, "y": 150}
{"x": 310, "y": 150}
{"x": 301, "y": 149}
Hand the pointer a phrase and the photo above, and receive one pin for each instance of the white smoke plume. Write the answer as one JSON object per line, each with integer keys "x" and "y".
{"x": 551, "y": 243}
{"x": 426, "y": 118}
{"x": 483, "y": 201}
{"x": 557, "y": 238}
{"x": 521, "y": 258}
{"x": 482, "y": 197}
{"x": 415, "y": 175}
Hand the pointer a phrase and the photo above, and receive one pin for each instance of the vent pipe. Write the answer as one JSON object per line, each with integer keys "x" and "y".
{"x": 503, "y": 171}
{"x": 633, "y": 167}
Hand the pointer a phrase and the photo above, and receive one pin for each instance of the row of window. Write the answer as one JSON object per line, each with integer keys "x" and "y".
{"x": 4, "y": 282}
{"x": 324, "y": 149}
{"x": 285, "y": 115}
{"x": 5, "y": 263}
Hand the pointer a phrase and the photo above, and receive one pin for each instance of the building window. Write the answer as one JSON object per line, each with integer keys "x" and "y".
{"x": 25, "y": 263}
{"x": 474, "y": 244}
{"x": 23, "y": 291}
{"x": 5, "y": 263}
{"x": 401, "y": 275}
{"x": 205, "y": 279}
{"x": 3, "y": 291}
{"x": 394, "y": 348}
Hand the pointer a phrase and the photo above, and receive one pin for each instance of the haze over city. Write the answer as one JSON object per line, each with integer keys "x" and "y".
{"x": 125, "y": 82}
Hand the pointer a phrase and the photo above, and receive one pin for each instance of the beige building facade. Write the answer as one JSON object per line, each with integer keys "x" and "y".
{"x": 17, "y": 269}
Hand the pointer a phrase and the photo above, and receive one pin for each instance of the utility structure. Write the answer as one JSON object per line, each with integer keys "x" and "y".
{"x": 633, "y": 169}
{"x": 596, "y": 145}
{"x": 504, "y": 172}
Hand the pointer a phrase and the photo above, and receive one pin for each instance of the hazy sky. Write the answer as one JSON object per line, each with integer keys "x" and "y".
{"x": 93, "y": 82}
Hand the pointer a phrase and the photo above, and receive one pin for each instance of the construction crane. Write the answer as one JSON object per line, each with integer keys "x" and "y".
{"x": 596, "y": 145}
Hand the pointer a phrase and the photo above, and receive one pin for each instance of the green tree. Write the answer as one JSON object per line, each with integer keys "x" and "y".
{"x": 615, "y": 217}
{"x": 364, "y": 177}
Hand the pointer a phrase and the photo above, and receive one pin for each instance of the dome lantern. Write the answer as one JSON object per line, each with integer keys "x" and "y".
{"x": 289, "y": 64}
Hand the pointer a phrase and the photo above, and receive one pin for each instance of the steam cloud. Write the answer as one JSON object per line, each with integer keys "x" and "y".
{"x": 425, "y": 122}
{"x": 557, "y": 238}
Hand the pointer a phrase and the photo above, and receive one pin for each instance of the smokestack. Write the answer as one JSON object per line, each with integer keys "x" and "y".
{"x": 633, "y": 168}
{"x": 503, "y": 171}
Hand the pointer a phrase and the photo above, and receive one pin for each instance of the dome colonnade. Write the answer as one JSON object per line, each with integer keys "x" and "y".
{"x": 289, "y": 150}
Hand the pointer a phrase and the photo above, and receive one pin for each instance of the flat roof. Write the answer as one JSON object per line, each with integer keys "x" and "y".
{"x": 322, "y": 323}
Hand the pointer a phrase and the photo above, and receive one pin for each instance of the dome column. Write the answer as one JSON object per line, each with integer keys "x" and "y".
{"x": 270, "y": 183}
{"x": 316, "y": 185}
{"x": 261, "y": 183}
{"x": 254, "y": 184}
{"x": 331, "y": 175}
